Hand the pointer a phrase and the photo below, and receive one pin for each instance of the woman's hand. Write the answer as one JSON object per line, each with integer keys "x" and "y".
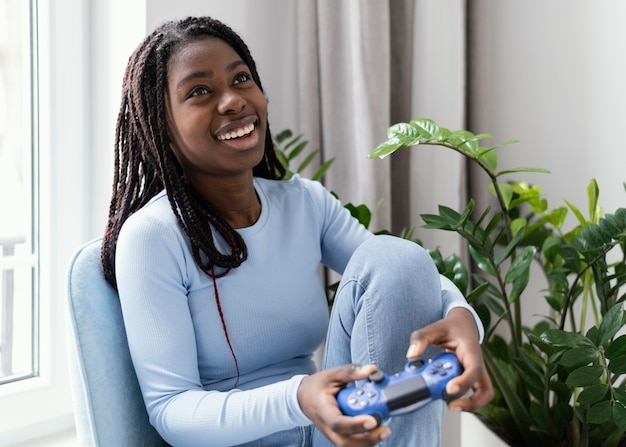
{"x": 317, "y": 396}
{"x": 458, "y": 333}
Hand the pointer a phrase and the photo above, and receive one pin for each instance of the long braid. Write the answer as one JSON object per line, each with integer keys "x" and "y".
{"x": 145, "y": 163}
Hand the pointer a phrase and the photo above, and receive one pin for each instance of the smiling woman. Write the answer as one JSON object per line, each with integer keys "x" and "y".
{"x": 216, "y": 260}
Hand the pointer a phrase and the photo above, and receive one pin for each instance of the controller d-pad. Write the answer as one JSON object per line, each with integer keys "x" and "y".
{"x": 416, "y": 364}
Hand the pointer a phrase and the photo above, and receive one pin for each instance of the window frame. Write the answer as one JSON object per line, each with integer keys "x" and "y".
{"x": 40, "y": 405}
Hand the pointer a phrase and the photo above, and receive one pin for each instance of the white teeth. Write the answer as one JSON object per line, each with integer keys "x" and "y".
{"x": 245, "y": 130}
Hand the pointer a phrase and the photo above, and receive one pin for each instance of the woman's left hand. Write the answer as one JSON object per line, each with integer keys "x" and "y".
{"x": 458, "y": 333}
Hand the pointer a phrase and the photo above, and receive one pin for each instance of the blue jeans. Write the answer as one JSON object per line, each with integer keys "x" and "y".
{"x": 389, "y": 289}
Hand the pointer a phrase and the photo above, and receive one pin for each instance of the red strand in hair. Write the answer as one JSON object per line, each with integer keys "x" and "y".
{"x": 219, "y": 310}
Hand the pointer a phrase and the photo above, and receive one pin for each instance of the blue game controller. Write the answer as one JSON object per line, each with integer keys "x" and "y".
{"x": 383, "y": 396}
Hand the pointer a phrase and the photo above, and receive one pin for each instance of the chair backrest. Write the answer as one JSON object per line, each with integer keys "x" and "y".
{"x": 108, "y": 404}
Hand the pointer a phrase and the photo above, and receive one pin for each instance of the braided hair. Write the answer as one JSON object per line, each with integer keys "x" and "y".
{"x": 145, "y": 163}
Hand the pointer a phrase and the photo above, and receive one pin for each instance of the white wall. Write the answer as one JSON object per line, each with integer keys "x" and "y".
{"x": 552, "y": 76}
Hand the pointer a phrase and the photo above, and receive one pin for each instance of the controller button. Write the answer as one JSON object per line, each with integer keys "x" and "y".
{"x": 371, "y": 394}
{"x": 377, "y": 377}
{"x": 360, "y": 392}
{"x": 434, "y": 370}
{"x": 364, "y": 403}
{"x": 443, "y": 373}
{"x": 447, "y": 365}
{"x": 352, "y": 401}
{"x": 416, "y": 364}
{"x": 438, "y": 364}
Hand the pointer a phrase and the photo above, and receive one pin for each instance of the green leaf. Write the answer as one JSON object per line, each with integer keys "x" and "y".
{"x": 307, "y": 160}
{"x": 593, "y": 394}
{"x": 577, "y": 357}
{"x": 459, "y": 275}
{"x": 322, "y": 169}
{"x": 509, "y": 249}
{"x": 519, "y": 272}
{"x": 489, "y": 160}
{"x": 521, "y": 266}
{"x": 557, "y": 337}
{"x": 521, "y": 169}
{"x": 585, "y": 376}
{"x": 593, "y": 192}
{"x": 282, "y": 136}
{"x": 618, "y": 365}
{"x": 298, "y": 149}
{"x": 482, "y": 261}
{"x": 428, "y": 129}
{"x": 616, "y": 348}
{"x": 599, "y": 413}
{"x": 405, "y": 133}
{"x": 477, "y": 292}
{"x": 541, "y": 417}
{"x": 620, "y": 395}
{"x": 517, "y": 225}
{"x": 386, "y": 148}
{"x": 518, "y": 410}
{"x": 611, "y": 323}
{"x": 577, "y": 213}
{"x": 619, "y": 415}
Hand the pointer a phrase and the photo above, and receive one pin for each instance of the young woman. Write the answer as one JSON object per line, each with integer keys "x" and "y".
{"x": 216, "y": 259}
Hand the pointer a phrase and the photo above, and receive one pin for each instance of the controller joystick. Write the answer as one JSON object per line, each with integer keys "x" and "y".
{"x": 384, "y": 396}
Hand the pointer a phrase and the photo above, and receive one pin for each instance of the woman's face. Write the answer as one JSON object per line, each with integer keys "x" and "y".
{"x": 217, "y": 115}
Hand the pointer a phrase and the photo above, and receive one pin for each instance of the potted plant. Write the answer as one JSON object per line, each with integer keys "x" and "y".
{"x": 559, "y": 382}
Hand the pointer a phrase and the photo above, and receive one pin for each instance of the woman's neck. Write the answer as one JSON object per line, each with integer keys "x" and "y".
{"x": 235, "y": 200}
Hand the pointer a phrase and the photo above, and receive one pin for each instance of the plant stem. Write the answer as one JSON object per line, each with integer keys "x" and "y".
{"x": 514, "y": 316}
{"x": 570, "y": 292}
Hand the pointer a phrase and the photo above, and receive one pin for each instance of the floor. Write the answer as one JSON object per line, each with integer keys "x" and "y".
{"x": 64, "y": 439}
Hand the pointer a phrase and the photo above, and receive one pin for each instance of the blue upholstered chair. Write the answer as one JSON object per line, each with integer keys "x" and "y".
{"x": 108, "y": 404}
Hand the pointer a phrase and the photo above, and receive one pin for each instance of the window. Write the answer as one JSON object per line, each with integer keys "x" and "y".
{"x": 18, "y": 192}
{"x": 43, "y": 200}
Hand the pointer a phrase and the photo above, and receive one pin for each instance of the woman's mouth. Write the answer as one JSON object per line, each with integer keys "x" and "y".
{"x": 236, "y": 133}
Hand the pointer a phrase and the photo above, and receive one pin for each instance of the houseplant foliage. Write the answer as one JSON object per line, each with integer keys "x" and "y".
{"x": 561, "y": 381}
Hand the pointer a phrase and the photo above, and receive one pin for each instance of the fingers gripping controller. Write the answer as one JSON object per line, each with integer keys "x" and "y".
{"x": 420, "y": 383}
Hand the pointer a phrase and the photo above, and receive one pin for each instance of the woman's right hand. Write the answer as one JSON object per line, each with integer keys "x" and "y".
{"x": 317, "y": 396}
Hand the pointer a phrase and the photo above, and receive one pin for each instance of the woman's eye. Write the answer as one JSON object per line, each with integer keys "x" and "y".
{"x": 242, "y": 77}
{"x": 199, "y": 91}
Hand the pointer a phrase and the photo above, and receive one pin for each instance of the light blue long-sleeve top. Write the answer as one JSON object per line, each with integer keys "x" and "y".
{"x": 274, "y": 306}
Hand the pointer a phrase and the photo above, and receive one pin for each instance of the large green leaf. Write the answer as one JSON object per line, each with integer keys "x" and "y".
{"x": 585, "y": 376}
{"x": 618, "y": 365}
{"x": 616, "y": 348}
{"x": 593, "y": 394}
{"x": 577, "y": 357}
{"x": 611, "y": 323}
{"x": 557, "y": 337}
{"x": 386, "y": 148}
{"x": 405, "y": 133}
{"x": 428, "y": 129}
{"x": 482, "y": 260}
{"x": 619, "y": 415}
{"x": 599, "y": 413}
{"x": 521, "y": 265}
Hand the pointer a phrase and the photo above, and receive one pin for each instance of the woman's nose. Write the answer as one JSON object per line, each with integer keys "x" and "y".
{"x": 231, "y": 102}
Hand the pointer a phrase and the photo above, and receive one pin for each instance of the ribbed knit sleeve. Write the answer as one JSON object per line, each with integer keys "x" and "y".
{"x": 153, "y": 281}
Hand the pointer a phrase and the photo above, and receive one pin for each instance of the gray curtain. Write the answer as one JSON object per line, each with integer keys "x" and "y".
{"x": 365, "y": 64}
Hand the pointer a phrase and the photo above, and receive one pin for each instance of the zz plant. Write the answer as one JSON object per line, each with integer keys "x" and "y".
{"x": 561, "y": 381}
